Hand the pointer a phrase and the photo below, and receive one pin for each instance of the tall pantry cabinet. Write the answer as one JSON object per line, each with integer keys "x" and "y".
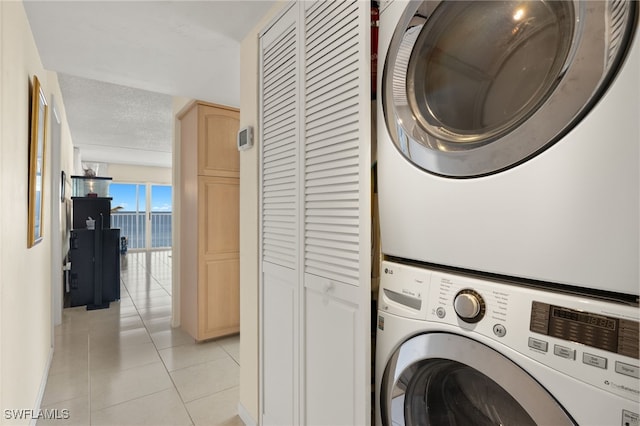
{"x": 209, "y": 224}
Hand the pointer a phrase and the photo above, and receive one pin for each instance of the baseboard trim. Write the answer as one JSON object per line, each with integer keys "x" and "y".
{"x": 43, "y": 386}
{"x": 244, "y": 415}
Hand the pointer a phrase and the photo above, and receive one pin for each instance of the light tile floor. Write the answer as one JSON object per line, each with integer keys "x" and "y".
{"x": 126, "y": 366}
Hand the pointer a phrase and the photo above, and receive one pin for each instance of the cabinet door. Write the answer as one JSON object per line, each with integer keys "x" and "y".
{"x": 81, "y": 252}
{"x": 217, "y": 150}
{"x": 219, "y": 297}
{"x": 337, "y": 212}
{"x": 219, "y": 216}
{"x": 219, "y": 253}
{"x": 279, "y": 199}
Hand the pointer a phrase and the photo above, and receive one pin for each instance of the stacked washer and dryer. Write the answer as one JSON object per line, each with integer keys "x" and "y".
{"x": 509, "y": 192}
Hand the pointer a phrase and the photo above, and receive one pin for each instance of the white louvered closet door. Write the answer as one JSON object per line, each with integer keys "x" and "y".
{"x": 315, "y": 210}
{"x": 337, "y": 212}
{"x": 280, "y": 136}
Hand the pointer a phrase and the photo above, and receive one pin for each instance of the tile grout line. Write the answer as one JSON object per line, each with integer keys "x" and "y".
{"x": 133, "y": 274}
{"x": 175, "y": 387}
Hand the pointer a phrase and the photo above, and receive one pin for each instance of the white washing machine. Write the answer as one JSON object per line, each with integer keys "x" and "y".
{"x": 457, "y": 350}
{"x": 508, "y": 138}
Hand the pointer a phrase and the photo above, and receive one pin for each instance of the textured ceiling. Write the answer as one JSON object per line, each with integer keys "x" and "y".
{"x": 120, "y": 62}
{"x": 118, "y": 124}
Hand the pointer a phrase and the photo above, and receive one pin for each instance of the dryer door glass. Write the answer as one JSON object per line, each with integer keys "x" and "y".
{"x": 509, "y": 59}
{"x": 475, "y": 87}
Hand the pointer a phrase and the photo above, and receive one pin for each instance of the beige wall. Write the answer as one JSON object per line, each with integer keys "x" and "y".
{"x": 66, "y": 160}
{"x": 140, "y": 174}
{"x": 249, "y": 181}
{"x": 25, "y": 274}
{"x": 178, "y": 104}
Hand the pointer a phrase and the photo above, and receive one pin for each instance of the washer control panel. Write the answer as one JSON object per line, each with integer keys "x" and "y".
{"x": 589, "y": 339}
{"x": 469, "y": 304}
{"x": 403, "y": 290}
{"x": 612, "y": 334}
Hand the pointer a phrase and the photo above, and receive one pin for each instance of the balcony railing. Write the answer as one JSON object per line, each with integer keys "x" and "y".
{"x": 132, "y": 226}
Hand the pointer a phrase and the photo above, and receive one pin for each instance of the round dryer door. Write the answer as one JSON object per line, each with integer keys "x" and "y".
{"x": 471, "y": 88}
{"x": 445, "y": 380}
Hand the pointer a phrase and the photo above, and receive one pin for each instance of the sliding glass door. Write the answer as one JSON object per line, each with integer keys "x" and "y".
{"x": 143, "y": 214}
{"x": 160, "y": 216}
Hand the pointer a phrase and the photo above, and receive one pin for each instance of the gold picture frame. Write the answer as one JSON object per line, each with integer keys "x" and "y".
{"x": 37, "y": 149}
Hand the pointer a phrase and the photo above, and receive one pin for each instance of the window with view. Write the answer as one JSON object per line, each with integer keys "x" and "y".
{"x": 143, "y": 213}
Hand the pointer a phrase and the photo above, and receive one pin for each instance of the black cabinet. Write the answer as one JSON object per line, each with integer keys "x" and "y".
{"x": 91, "y": 207}
{"x": 94, "y": 279}
{"x": 95, "y": 267}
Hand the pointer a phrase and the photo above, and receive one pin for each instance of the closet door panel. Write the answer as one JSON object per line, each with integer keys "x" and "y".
{"x": 336, "y": 213}
{"x": 315, "y": 215}
{"x": 335, "y": 207}
{"x": 279, "y": 227}
{"x": 280, "y": 347}
{"x": 280, "y": 140}
{"x": 334, "y": 355}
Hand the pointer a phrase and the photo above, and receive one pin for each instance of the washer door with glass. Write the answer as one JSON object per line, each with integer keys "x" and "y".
{"x": 441, "y": 379}
{"x": 471, "y": 88}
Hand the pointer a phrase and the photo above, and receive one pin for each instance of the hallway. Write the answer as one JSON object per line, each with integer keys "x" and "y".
{"x": 126, "y": 366}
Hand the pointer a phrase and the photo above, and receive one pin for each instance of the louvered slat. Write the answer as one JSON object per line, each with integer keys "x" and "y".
{"x": 320, "y": 19}
{"x": 326, "y": 138}
{"x": 279, "y": 153}
{"x": 331, "y": 210}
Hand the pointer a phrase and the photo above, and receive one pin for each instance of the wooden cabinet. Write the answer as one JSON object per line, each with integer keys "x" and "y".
{"x": 209, "y": 223}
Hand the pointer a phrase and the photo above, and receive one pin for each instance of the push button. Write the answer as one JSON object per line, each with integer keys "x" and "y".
{"x": 594, "y": 360}
{"x": 628, "y": 369}
{"x": 499, "y": 330}
{"x": 538, "y": 344}
{"x": 564, "y": 352}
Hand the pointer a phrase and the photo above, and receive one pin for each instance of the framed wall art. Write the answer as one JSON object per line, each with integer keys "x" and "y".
{"x": 37, "y": 149}
{"x": 63, "y": 184}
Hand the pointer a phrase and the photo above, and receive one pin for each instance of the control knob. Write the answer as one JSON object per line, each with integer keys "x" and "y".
{"x": 469, "y": 306}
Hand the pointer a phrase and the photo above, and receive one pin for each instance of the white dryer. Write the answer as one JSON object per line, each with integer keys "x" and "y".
{"x": 457, "y": 350}
{"x": 509, "y": 138}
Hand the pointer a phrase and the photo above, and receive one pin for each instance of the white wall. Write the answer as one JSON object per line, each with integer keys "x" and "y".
{"x": 25, "y": 274}
{"x": 249, "y": 187}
